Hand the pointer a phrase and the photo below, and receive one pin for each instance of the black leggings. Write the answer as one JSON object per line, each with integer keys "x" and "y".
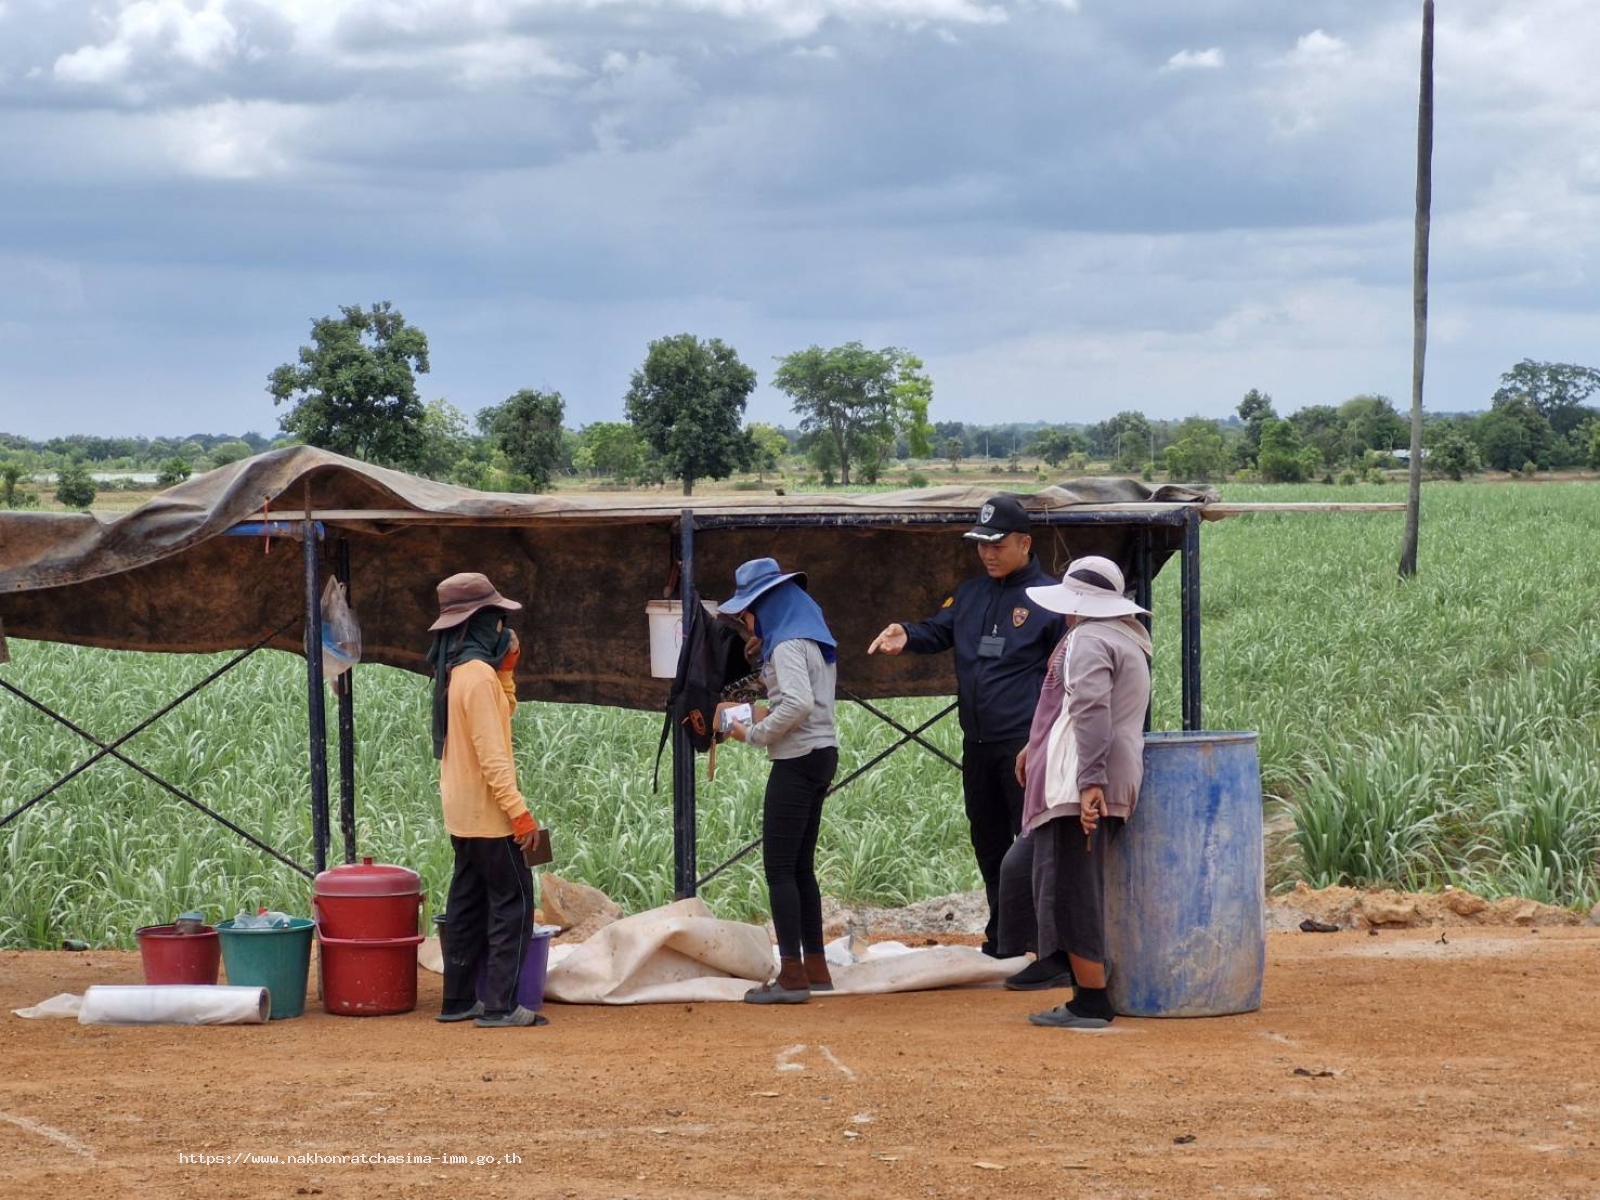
{"x": 790, "y": 821}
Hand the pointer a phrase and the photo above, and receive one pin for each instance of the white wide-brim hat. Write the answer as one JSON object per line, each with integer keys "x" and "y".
{"x": 1092, "y": 587}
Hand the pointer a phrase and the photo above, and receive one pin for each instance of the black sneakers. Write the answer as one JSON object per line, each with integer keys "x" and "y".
{"x": 1051, "y": 971}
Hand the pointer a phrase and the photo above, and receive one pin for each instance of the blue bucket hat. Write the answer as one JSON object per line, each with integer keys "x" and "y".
{"x": 754, "y": 579}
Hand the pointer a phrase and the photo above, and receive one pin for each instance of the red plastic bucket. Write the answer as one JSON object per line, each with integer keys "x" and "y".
{"x": 367, "y": 977}
{"x": 368, "y": 900}
{"x": 172, "y": 957}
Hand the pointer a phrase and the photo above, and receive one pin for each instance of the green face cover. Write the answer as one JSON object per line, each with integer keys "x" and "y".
{"x": 483, "y": 637}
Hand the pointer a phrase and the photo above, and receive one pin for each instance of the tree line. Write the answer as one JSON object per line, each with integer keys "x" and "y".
{"x": 353, "y": 389}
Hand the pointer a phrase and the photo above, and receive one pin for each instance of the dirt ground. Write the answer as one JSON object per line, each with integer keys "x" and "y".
{"x": 1421, "y": 1062}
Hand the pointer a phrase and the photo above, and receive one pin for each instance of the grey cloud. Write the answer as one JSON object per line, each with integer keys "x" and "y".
{"x": 1039, "y": 209}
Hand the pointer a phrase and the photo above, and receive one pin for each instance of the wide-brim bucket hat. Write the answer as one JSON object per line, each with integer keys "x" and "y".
{"x": 1092, "y": 587}
{"x": 464, "y": 594}
{"x": 755, "y": 578}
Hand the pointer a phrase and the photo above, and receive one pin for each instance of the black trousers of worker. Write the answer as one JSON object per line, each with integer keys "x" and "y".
{"x": 994, "y": 813}
{"x": 490, "y": 915}
{"x": 791, "y": 819}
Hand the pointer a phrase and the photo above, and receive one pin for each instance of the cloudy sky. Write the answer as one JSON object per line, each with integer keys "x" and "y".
{"x": 1067, "y": 207}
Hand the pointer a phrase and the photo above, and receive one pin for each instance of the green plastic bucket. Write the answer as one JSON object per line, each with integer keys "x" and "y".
{"x": 276, "y": 959}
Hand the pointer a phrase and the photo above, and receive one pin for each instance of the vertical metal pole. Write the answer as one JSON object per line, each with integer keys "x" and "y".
{"x": 684, "y": 856}
{"x": 347, "y": 725}
{"x": 1191, "y": 620}
{"x": 316, "y": 715}
{"x": 1142, "y": 588}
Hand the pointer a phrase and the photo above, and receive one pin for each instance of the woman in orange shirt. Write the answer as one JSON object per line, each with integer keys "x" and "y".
{"x": 490, "y": 907}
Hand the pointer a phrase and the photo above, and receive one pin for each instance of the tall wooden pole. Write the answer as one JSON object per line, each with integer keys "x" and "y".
{"x": 1419, "y": 289}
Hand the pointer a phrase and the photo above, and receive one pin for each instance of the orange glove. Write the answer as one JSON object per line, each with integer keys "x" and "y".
{"x": 513, "y": 656}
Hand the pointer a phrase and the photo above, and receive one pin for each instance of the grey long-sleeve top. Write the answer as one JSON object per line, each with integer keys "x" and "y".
{"x": 800, "y": 691}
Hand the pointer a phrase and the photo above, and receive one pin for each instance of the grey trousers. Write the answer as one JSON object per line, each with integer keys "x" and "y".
{"x": 1018, "y": 930}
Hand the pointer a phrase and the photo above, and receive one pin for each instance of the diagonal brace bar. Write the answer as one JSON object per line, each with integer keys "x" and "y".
{"x": 909, "y": 735}
{"x": 890, "y": 721}
{"x": 153, "y": 778}
{"x": 106, "y": 749}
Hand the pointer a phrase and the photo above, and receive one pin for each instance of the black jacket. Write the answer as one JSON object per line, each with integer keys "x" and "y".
{"x": 996, "y": 696}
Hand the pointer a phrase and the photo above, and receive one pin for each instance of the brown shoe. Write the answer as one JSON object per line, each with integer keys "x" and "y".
{"x": 817, "y": 973}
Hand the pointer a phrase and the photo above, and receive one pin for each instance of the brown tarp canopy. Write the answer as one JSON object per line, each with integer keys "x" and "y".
{"x": 166, "y": 578}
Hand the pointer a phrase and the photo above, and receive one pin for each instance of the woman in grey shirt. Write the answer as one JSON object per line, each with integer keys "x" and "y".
{"x": 798, "y": 667}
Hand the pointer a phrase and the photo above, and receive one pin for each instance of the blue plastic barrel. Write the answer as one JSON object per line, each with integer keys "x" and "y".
{"x": 1185, "y": 882}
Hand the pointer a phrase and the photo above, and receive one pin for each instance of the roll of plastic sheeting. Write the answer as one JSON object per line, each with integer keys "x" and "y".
{"x": 175, "y": 1004}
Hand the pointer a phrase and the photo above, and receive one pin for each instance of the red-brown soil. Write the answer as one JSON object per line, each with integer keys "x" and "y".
{"x": 1457, "y": 1062}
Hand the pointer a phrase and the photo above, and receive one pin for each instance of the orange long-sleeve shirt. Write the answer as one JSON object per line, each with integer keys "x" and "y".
{"x": 477, "y": 776}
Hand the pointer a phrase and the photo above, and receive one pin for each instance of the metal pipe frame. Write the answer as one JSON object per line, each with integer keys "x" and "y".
{"x": 685, "y": 851}
{"x": 316, "y": 713}
{"x": 347, "y": 724}
{"x": 1175, "y": 517}
{"x": 1190, "y": 565}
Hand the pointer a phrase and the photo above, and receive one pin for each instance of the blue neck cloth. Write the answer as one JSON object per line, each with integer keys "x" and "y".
{"x": 786, "y": 613}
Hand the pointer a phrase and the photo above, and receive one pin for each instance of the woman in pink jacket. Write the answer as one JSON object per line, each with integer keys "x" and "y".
{"x": 1080, "y": 774}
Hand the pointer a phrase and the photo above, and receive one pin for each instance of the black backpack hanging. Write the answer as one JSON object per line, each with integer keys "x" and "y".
{"x": 711, "y": 658}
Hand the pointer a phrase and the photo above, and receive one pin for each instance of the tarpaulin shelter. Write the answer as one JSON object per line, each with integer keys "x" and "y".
{"x": 210, "y": 565}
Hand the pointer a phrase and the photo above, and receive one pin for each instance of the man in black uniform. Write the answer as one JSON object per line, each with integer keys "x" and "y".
{"x": 1002, "y": 642}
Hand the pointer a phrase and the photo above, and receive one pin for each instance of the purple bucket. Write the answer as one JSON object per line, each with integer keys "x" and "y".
{"x": 530, "y": 984}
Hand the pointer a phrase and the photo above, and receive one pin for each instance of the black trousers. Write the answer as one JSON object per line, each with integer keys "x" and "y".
{"x": 1069, "y": 886}
{"x": 791, "y": 818}
{"x": 994, "y": 813}
{"x": 490, "y": 913}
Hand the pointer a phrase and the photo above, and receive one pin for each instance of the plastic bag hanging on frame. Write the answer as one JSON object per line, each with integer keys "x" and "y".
{"x": 341, "y": 632}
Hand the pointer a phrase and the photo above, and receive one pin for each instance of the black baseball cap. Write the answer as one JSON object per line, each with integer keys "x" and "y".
{"x": 1001, "y": 515}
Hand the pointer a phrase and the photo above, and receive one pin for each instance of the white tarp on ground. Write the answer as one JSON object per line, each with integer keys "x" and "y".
{"x": 681, "y": 954}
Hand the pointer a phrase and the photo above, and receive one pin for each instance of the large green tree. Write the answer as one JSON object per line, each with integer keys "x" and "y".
{"x": 1451, "y": 451}
{"x": 1055, "y": 446}
{"x": 1556, "y": 391}
{"x": 527, "y": 430}
{"x": 1282, "y": 458}
{"x": 230, "y": 451}
{"x": 1199, "y": 454}
{"x": 1513, "y": 433}
{"x": 771, "y": 447}
{"x": 1373, "y": 423}
{"x": 354, "y": 388}
{"x": 1125, "y": 439}
{"x": 612, "y": 448}
{"x": 858, "y": 399}
{"x": 1319, "y": 425}
{"x": 446, "y": 441}
{"x": 687, "y": 401}
{"x": 913, "y": 394}
{"x": 75, "y": 487}
{"x": 1255, "y": 410}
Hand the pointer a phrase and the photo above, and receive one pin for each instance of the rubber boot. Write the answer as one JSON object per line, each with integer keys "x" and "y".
{"x": 791, "y": 986}
{"x": 817, "y": 973}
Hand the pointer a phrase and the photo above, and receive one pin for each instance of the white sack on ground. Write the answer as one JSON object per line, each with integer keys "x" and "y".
{"x": 681, "y": 954}
{"x": 676, "y": 954}
{"x": 890, "y": 967}
{"x": 64, "y": 1005}
{"x": 175, "y": 1004}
